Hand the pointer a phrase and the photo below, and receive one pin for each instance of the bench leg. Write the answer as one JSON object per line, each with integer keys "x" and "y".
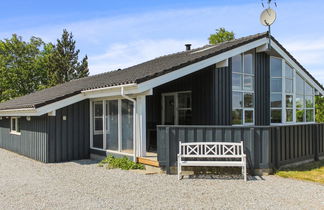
{"x": 244, "y": 169}
{"x": 179, "y": 169}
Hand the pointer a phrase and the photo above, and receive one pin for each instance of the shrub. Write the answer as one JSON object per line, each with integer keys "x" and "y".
{"x": 123, "y": 163}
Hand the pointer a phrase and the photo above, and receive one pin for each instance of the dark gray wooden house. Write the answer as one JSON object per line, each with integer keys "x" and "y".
{"x": 237, "y": 90}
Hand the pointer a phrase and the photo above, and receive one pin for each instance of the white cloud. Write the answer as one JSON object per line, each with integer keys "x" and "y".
{"x": 122, "y": 55}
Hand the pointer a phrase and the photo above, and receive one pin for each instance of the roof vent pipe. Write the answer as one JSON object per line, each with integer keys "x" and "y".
{"x": 188, "y": 47}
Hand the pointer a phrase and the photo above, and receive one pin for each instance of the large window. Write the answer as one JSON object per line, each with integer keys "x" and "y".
{"x": 113, "y": 124}
{"x": 292, "y": 98}
{"x": 243, "y": 89}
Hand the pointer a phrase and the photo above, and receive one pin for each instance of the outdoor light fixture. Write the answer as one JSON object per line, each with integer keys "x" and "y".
{"x": 64, "y": 117}
{"x": 28, "y": 118}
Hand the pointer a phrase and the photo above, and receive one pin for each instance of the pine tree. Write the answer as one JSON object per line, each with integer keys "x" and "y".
{"x": 64, "y": 62}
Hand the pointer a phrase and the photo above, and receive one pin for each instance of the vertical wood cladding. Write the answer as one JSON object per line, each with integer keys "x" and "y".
{"x": 223, "y": 96}
{"x": 51, "y": 139}
{"x": 262, "y": 89}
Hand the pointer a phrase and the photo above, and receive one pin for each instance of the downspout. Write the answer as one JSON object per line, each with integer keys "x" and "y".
{"x": 122, "y": 93}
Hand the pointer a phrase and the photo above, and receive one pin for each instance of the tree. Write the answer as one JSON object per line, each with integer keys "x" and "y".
{"x": 319, "y": 106}
{"x": 63, "y": 63}
{"x": 220, "y": 36}
{"x": 20, "y": 67}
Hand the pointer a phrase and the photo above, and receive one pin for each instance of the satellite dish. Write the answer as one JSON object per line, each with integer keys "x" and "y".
{"x": 268, "y": 17}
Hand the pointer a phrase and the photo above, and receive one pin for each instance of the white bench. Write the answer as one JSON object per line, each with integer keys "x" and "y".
{"x": 231, "y": 154}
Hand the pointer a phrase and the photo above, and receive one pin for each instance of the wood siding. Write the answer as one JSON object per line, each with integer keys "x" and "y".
{"x": 51, "y": 139}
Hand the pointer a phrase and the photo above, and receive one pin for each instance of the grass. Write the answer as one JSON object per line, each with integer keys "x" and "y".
{"x": 313, "y": 171}
{"x": 123, "y": 163}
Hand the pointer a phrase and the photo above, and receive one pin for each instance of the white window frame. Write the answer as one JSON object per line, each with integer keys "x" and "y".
{"x": 103, "y": 101}
{"x": 243, "y": 91}
{"x": 98, "y": 132}
{"x": 15, "y": 131}
{"x": 294, "y": 94}
{"x": 176, "y": 108}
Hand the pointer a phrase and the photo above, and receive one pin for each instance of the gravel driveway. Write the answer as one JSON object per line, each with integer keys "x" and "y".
{"x": 27, "y": 184}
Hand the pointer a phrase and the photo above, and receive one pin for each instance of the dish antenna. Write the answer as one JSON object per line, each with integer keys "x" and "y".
{"x": 268, "y": 17}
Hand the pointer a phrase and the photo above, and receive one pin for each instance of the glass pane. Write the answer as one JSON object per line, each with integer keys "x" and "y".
{"x": 309, "y": 101}
{"x": 310, "y": 115}
{"x": 275, "y": 67}
{"x": 300, "y": 115}
{"x": 98, "y": 141}
{"x": 237, "y": 99}
{"x": 248, "y": 83}
{"x": 289, "y": 72}
{"x": 299, "y": 85}
{"x": 275, "y": 116}
{"x": 248, "y": 100}
{"x": 237, "y": 63}
{"x": 17, "y": 125}
{"x": 98, "y": 124}
{"x": 289, "y": 86}
{"x": 112, "y": 124}
{"x": 185, "y": 117}
{"x": 98, "y": 109}
{"x": 299, "y": 101}
{"x": 13, "y": 126}
{"x": 248, "y": 114}
{"x": 309, "y": 89}
{"x": 127, "y": 126}
{"x": 276, "y": 85}
{"x": 184, "y": 100}
{"x": 237, "y": 81}
{"x": 237, "y": 117}
{"x": 169, "y": 118}
{"x": 276, "y": 100}
{"x": 289, "y": 101}
{"x": 248, "y": 63}
{"x": 289, "y": 115}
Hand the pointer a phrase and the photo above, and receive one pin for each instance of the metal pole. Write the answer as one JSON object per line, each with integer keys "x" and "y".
{"x": 269, "y": 29}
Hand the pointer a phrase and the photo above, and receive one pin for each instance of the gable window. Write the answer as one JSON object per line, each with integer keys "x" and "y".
{"x": 304, "y": 101}
{"x": 289, "y": 90}
{"x": 243, "y": 89}
{"x": 14, "y": 125}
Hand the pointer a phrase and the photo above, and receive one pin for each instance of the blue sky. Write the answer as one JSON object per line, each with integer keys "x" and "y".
{"x": 117, "y": 34}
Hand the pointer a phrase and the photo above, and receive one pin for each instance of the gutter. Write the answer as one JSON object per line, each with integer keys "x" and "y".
{"x": 122, "y": 93}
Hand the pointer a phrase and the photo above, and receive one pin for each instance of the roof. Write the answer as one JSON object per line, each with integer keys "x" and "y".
{"x": 135, "y": 74}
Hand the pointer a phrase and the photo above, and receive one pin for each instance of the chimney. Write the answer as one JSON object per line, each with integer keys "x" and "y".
{"x": 188, "y": 47}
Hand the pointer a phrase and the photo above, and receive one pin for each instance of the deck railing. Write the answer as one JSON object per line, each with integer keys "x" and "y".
{"x": 266, "y": 146}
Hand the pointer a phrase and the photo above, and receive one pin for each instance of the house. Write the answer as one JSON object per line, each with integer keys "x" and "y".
{"x": 237, "y": 90}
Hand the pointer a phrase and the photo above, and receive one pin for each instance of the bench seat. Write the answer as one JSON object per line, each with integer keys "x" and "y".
{"x": 212, "y": 163}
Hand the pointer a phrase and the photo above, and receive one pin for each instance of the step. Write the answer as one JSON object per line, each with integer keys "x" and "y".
{"x": 148, "y": 161}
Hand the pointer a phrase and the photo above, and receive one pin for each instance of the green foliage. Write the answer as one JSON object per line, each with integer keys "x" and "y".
{"x": 21, "y": 69}
{"x": 319, "y": 106}
{"x": 63, "y": 61}
{"x": 220, "y": 36}
{"x": 28, "y": 66}
{"x": 123, "y": 163}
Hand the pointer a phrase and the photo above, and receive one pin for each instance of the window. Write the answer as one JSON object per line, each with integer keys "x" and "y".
{"x": 113, "y": 125}
{"x": 305, "y": 105}
{"x": 177, "y": 108}
{"x": 243, "y": 89}
{"x": 14, "y": 125}
{"x": 289, "y": 90}
{"x": 276, "y": 89}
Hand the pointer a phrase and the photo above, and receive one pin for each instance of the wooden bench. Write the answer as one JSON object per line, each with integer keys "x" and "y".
{"x": 198, "y": 153}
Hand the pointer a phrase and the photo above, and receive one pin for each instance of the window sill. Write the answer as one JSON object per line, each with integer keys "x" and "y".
{"x": 15, "y": 133}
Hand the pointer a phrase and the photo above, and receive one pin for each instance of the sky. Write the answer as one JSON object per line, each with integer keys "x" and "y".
{"x": 117, "y": 34}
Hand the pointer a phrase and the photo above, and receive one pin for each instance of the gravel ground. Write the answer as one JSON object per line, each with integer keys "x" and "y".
{"x": 28, "y": 184}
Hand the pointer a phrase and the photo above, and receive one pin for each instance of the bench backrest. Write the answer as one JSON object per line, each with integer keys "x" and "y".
{"x": 211, "y": 150}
